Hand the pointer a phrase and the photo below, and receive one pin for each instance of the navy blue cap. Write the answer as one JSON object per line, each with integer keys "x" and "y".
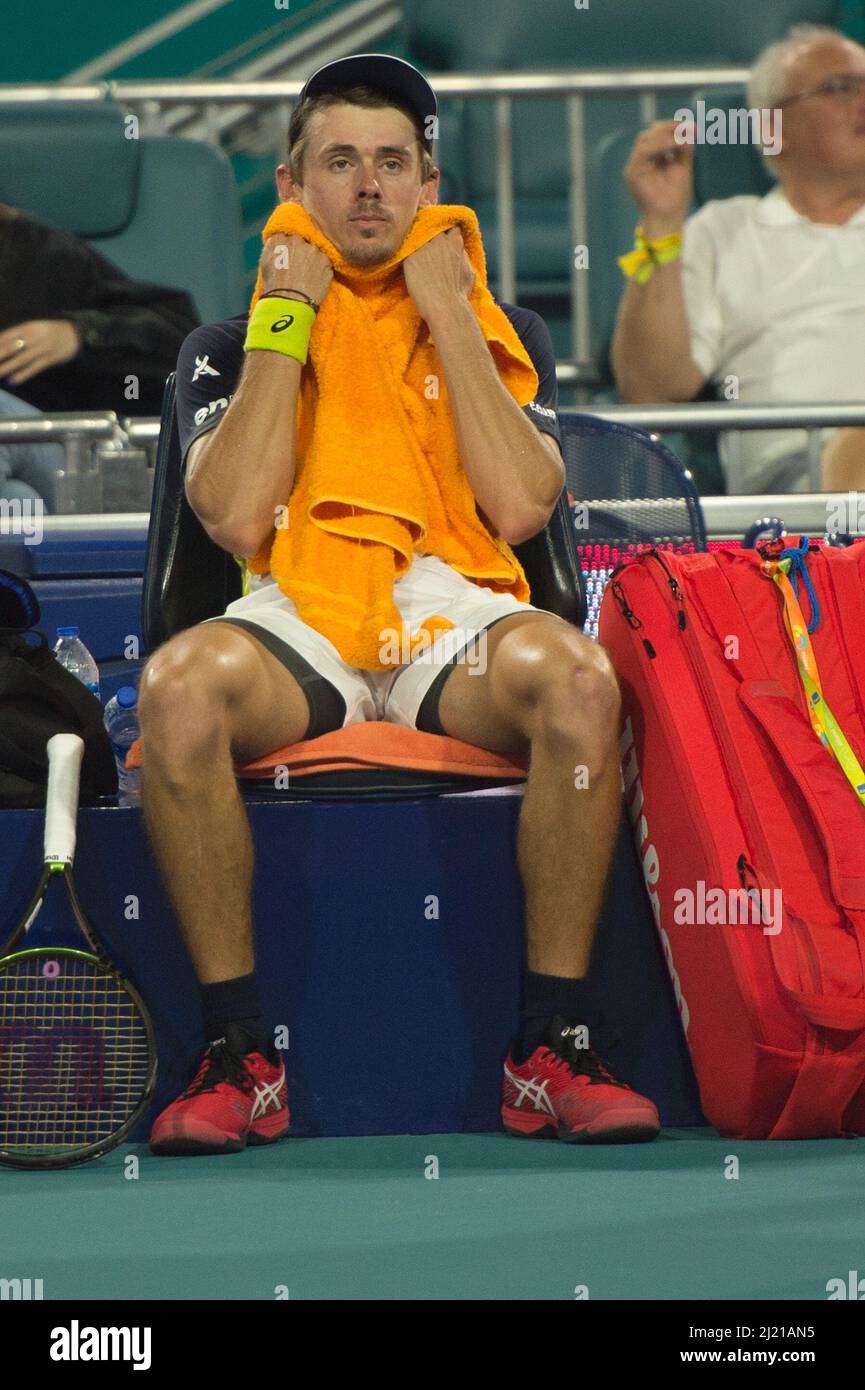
{"x": 392, "y": 75}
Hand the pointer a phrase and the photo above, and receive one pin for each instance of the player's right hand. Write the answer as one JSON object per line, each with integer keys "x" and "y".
{"x": 291, "y": 263}
{"x": 660, "y": 176}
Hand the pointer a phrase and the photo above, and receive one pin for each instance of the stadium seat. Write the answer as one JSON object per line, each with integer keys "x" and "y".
{"x": 163, "y": 209}
{"x": 727, "y": 171}
{"x": 638, "y": 491}
{"x": 636, "y": 494}
{"x": 554, "y": 34}
{"x": 613, "y": 215}
{"x": 616, "y": 33}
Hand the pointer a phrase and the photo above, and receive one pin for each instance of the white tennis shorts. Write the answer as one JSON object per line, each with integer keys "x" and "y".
{"x": 339, "y": 694}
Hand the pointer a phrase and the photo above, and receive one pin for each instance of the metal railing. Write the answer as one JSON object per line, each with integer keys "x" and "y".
{"x": 735, "y": 416}
{"x": 88, "y": 440}
{"x": 71, "y": 428}
{"x": 726, "y": 517}
{"x": 157, "y": 99}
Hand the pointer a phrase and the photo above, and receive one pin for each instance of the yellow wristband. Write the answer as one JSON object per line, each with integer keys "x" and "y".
{"x": 280, "y": 325}
{"x": 640, "y": 263}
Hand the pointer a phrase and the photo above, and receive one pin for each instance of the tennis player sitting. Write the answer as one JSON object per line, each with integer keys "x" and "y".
{"x": 372, "y": 441}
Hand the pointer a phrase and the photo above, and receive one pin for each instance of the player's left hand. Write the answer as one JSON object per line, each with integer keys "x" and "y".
{"x": 438, "y": 273}
{"x": 29, "y": 348}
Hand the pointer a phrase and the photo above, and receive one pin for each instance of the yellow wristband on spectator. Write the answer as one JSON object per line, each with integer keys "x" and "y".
{"x": 640, "y": 263}
{"x": 280, "y": 325}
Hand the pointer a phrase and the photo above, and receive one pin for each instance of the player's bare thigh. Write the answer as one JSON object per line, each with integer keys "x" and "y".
{"x": 492, "y": 705}
{"x": 218, "y": 676}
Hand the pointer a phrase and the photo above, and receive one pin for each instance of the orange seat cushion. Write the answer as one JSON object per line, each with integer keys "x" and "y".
{"x": 377, "y": 744}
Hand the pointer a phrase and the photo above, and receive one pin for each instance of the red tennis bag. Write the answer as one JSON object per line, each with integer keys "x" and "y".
{"x": 751, "y": 836}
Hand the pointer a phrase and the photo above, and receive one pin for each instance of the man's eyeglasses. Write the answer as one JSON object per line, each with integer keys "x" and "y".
{"x": 846, "y": 86}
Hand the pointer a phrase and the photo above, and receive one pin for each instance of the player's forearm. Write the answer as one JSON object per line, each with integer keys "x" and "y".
{"x": 651, "y": 350}
{"x": 247, "y": 469}
{"x": 512, "y": 473}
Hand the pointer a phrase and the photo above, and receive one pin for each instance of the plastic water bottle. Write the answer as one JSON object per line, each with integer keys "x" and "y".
{"x": 72, "y": 653}
{"x": 121, "y": 724}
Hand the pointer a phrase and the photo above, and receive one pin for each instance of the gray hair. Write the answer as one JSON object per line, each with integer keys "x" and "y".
{"x": 767, "y": 81}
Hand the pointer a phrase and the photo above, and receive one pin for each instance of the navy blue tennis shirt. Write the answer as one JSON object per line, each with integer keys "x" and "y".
{"x": 208, "y": 370}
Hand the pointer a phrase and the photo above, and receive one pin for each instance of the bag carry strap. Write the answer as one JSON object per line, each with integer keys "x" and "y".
{"x": 834, "y": 817}
{"x": 839, "y": 824}
{"x": 838, "y": 819}
{"x": 825, "y": 1010}
{"x": 821, "y": 1094}
{"x": 781, "y": 721}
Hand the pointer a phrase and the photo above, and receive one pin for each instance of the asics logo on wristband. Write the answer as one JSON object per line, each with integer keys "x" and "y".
{"x": 282, "y": 324}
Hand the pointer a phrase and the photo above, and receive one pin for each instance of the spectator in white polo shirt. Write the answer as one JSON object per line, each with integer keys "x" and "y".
{"x": 767, "y": 291}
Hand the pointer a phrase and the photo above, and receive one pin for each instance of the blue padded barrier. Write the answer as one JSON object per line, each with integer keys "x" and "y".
{"x": 107, "y": 612}
{"x": 91, "y": 578}
{"x": 398, "y": 1022}
{"x": 66, "y": 550}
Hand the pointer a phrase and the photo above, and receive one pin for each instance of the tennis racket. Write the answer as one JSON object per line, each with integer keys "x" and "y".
{"x": 77, "y": 1050}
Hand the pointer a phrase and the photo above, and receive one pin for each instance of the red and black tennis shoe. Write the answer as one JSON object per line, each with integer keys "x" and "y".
{"x": 237, "y": 1097}
{"x": 563, "y": 1090}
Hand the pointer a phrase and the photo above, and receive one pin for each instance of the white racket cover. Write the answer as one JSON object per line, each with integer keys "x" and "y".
{"x": 65, "y": 752}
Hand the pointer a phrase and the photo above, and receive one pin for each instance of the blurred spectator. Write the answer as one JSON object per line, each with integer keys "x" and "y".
{"x": 28, "y": 472}
{"x": 767, "y": 301}
{"x": 76, "y": 333}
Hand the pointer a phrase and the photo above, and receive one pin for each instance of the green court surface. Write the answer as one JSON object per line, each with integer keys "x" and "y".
{"x": 505, "y": 1219}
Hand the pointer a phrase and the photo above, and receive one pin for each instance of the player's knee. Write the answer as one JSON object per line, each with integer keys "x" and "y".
{"x": 185, "y": 685}
{"x": 580, "y": 702}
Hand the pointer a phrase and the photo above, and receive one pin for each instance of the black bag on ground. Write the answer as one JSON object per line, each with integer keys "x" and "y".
{"x": 39, "y": 698}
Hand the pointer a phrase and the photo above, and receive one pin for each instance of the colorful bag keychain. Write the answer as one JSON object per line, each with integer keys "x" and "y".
{"x": 791, "y": 561}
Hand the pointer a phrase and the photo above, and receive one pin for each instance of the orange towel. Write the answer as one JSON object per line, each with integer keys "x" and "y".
{"x": 378, "y": 475}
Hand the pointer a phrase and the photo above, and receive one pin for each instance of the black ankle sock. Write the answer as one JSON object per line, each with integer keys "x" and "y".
{"x": 546, "y": 996}
{"x": 233, "y": 1001}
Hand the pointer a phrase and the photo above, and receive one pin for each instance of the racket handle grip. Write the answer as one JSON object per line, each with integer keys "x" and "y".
{"x": 65, "y": 752}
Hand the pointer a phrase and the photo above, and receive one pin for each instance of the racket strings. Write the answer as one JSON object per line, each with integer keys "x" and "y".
{"x": 74, "y": 1053}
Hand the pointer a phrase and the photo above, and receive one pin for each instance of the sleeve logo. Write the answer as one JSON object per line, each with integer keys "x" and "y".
{"x": 203, "y": 367}
{"x": 221, "y": 403}
{"x": 542, "y": 410}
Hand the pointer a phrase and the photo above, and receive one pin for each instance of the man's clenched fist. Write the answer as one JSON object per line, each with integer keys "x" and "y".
{"x": 660, "y": 175}
{"x": 291, "y": 263}
{"x": 438, "y": 273}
